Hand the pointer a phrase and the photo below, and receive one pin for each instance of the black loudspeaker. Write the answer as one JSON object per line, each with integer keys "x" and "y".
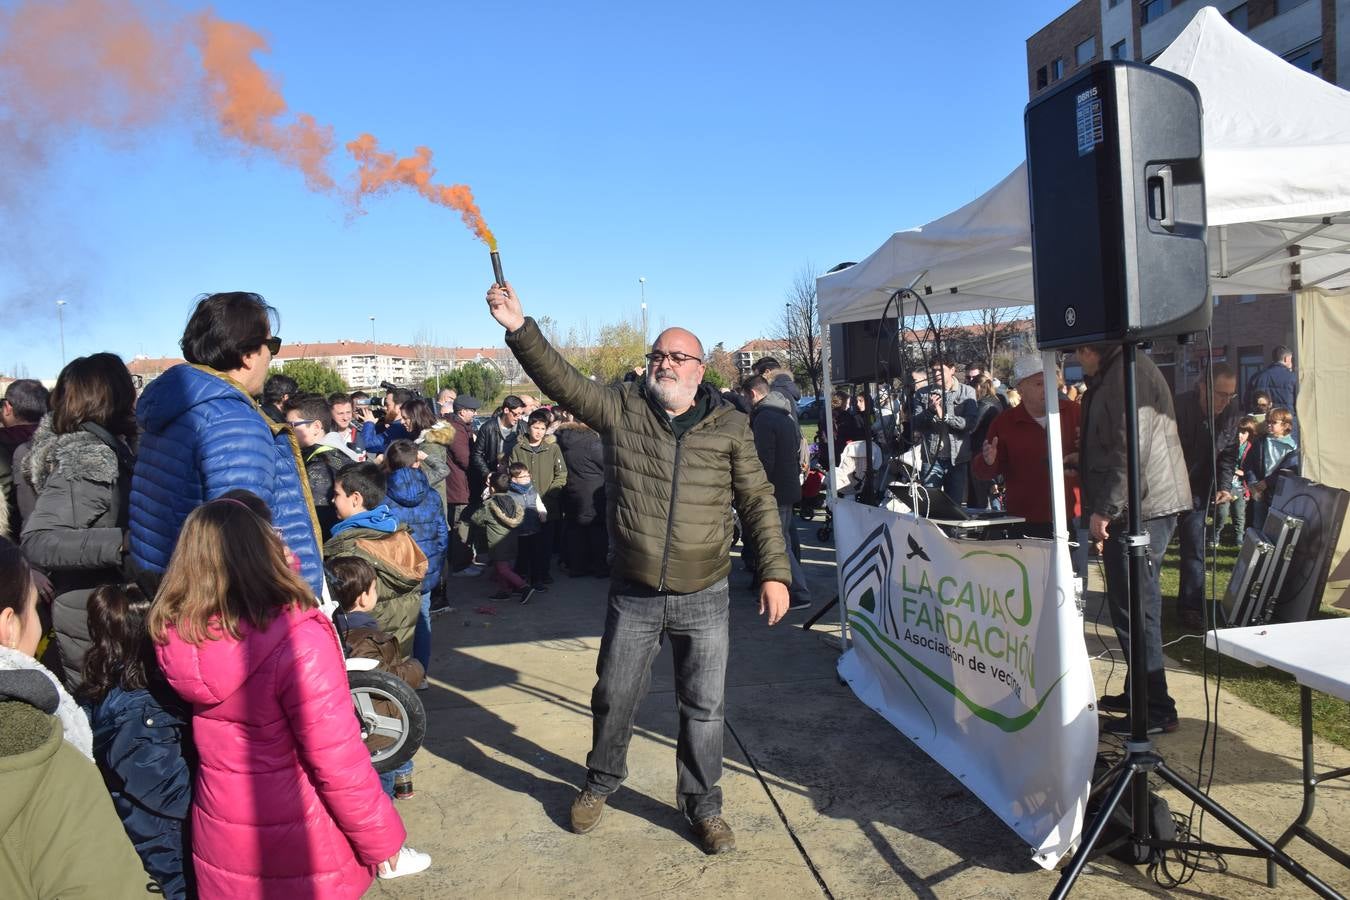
{"x": 855, "y": 353}
{"x": 1117, "y": 194}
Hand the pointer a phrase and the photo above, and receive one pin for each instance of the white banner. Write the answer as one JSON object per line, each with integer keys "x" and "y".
{"x": 971, "y": 650}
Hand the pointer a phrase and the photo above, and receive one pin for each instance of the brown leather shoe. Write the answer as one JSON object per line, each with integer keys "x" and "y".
{"x": 715, "y": 835}
{"x": 586, "y": 810}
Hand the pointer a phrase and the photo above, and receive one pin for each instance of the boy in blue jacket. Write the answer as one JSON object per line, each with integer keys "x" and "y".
{"x": 413, "y": 503}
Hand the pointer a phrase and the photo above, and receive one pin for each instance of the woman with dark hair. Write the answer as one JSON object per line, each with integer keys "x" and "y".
{"x": 140, "y": 734}
{"x": 59, "y": 836}
{"x": 433, "y": 437}
{"x": 203, "y": 433}
{"x": 81, "y": 467}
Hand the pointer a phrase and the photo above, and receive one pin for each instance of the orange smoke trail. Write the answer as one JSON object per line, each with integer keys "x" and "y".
{"x": 248, "y": 104}
{"x": 377, "y": 171}
{"x": 117, "y": 67}
{"x": 100, "y": 64}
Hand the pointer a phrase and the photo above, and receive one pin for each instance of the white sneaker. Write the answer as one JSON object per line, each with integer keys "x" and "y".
{"x": 408, "y": 862}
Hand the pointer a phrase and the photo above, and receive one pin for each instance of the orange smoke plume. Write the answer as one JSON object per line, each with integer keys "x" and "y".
{"x": 120, "y": 66}
{"x": 100, "y": 64}
{"x": 378, "y": 171}
{"x": 248, "y": 104}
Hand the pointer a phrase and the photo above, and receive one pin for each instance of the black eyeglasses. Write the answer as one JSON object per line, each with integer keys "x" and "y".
{"x": 656, "y": 358}
{"x": 298, "y": 422}
{"x": 273, "y": 344}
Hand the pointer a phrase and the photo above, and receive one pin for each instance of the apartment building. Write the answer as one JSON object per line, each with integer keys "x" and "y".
{"x": 362, "y": 364}
{"x": 753, "y": 351}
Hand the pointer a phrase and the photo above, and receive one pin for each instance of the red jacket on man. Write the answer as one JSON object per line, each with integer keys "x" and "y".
{"x": 1023, "y": 460}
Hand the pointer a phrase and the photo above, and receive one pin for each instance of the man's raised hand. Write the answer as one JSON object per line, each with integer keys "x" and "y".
{"x": 505, "y": 306}
{"x": 990, "y": 451}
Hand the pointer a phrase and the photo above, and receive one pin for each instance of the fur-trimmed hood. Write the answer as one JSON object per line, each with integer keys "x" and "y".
{"x": 81, "y": 454}
{"x": 442, "y": 433}
{"x": 506, "y": 510}
{"x": 51, "y": 698}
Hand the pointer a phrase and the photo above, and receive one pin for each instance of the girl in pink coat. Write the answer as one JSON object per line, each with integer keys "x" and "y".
{"x": 286, "y": 802}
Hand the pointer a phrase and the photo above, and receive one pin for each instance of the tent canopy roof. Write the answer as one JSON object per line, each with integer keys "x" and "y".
{"x": 1277, "y": 174}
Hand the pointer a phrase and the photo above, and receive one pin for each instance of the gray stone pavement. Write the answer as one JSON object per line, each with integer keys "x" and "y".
{"x": 826, "y": 798}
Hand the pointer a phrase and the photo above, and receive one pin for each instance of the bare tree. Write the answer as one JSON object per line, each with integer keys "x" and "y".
{"x": 992, "y": 326}
{"x": 799, "y": 326}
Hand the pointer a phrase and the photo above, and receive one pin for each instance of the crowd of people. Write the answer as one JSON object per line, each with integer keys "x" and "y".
{"x": 1209, "y": 470}
{"x": 184, "y": 570}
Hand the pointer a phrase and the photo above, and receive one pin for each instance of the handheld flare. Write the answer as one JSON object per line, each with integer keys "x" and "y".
{"x": 497, "y": 268}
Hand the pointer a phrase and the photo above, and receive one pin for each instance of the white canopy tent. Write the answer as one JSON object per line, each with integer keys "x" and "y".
{"x": 1277, "y": 176}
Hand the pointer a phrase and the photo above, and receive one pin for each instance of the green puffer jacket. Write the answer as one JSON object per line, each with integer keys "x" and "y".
{"x": 59, "y": 834}
{"x": 669, "y": 502}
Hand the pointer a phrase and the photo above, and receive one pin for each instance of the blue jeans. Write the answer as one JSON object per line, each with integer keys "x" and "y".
{"x": 387, "y": 778}
{"x": 949, "y": 476}
{"x": 638, "y": 620}
{"x": 1191, "y": 533}
{"x": 422, "y": 634}
{"x": 1116, "y": 561}
{"x": 798, "y": 590}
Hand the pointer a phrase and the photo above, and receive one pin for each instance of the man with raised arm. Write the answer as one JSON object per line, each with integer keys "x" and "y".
{"x": 678, "y": 457}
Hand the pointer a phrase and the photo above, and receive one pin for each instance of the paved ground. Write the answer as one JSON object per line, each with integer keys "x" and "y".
{"x": 826, "y": 798}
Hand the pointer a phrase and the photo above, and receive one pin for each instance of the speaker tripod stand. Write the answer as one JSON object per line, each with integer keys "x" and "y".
{"x": 1130, "y": 775}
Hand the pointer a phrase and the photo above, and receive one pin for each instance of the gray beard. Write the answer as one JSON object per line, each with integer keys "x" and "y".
{"x": 670, "y": 393}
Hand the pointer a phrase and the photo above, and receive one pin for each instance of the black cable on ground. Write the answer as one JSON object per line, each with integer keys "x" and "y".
{"x": 782, "y": 816}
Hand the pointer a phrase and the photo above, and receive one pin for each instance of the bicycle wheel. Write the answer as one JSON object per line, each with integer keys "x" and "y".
{"x": 392, "y": 719}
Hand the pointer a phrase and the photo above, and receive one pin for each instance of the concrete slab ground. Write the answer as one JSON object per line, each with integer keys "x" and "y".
{"x": 826, "y": 798}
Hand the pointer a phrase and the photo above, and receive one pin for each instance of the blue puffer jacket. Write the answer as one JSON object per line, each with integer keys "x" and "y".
{"x": 203, "y": 436}
{"x": 139, "y": 745}
{"x": 413, "y": 502}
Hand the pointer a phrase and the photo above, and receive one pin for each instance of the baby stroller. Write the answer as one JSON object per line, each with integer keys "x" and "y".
{"x": 813, "y": 493}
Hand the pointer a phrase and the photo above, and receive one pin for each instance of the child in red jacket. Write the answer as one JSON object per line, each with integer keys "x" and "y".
{"x": 294, "y": 810}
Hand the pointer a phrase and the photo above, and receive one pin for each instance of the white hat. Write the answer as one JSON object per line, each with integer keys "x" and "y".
{"x": 1026, "y": 366}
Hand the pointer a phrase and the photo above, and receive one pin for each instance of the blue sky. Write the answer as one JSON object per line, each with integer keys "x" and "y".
{"x": 713, "y": 148}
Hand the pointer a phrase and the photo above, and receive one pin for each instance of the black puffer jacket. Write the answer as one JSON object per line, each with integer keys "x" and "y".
{"x": 669, "y": 499}
{"x": 778, "y": 441}
{"x": 584, "y": 454}
{"x": 75, "y": 530}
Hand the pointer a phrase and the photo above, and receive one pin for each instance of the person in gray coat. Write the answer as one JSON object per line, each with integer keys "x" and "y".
{"x": 80, "y": 468}
{"x": 948, "y": 414}
{"x": 1165, "y": 491}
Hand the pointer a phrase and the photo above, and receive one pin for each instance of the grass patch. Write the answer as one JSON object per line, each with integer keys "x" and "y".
{"x": 1265, "y": 688}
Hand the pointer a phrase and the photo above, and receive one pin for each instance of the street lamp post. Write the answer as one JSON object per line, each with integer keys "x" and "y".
{"x": 61, "y": 325}
{"x": 642, "y": 286}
